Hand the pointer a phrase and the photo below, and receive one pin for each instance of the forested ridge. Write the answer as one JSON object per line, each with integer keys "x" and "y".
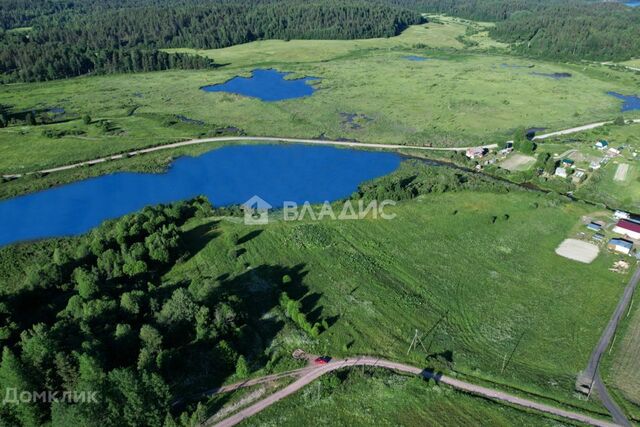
{"x": 606, "y": 31}
{"x": 128, "y": 39}
{"x": 555, "y": 29}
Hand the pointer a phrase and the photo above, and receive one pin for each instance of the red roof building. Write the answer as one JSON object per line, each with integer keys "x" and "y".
{"x": 628, "y": 228}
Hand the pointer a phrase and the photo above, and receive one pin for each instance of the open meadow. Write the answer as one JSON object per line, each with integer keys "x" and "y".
{"x": 474, "y": 273}
{"x": 623, "y": 365}
{"x": 463, "y": 94}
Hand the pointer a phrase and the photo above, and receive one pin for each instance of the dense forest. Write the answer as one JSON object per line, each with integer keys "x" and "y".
{"x": 606, "y": 31}
{"x": 556, "y": 29}
{"x": 46, "y": 40}
{"x": 93, "y": 334}
{"x": 128, "y": 39}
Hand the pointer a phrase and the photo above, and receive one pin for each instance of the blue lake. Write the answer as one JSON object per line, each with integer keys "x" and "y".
{"x": 267, "y": 85}
{"x": 631, "y": 102}
{"x": 415, "y": 58}
{"x": 633, "y": 3}
{"x": 227, "y": 176}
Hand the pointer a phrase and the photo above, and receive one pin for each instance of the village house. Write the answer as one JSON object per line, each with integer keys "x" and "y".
{"x": 620, "y": 246}
{"x": 475, "y": 152}
{"x": 602, "y": 144}
{"x": 594, "y": 226}
{"x": 594, "y": 165}
{"x": 618, "y": 214}
{"x": 567, "y": 163}
{"x": 579, "y": 176}
{"x": 561, "y": 172}
{"x": 628, "y": 228}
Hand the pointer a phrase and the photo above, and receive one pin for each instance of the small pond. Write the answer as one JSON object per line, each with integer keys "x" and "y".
{"x": 227, "y": 176}
{"x": 552, "y": 75}
{"x": 415, "y": 58}
{"x": 268, "y": 85}
{"x": 631, "y": 102}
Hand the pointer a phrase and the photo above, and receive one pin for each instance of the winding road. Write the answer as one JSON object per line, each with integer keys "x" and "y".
{"x": 307, "y": 375}
{"x": 245, "y": 138}
{"x": 352, "y": 144}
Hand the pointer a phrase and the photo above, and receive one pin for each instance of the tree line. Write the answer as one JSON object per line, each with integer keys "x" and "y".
{"x": 605, "y": 31}
{"x": 95, "y": 317}
{"x": 554, "y": 29}
{"x": 129, "y": 38}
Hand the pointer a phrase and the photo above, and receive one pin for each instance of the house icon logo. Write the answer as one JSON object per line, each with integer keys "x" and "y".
{"x": 256, "y": 211}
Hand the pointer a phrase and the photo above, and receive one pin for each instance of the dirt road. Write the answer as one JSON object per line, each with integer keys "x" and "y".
{"x": 245, "y": 138}
{"x": 316, "y": 372}
{"x": 291, "y": 140}
{"x": 577, "y": 129}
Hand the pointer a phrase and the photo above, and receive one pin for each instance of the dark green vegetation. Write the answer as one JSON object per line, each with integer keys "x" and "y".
{"x": 92, "y": 314}
{"x": 555, "y": 29}
{"x": 381, "y": 398}
{"x": 127, "y": 39}
{"x": 605, "y": 31}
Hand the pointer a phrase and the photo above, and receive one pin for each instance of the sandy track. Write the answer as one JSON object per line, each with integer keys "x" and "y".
{"x": 318, "y": 371}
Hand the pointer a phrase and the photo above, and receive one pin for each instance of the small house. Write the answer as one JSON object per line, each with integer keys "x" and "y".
{"x": 578, "y": 177}
{"x": 602, "y": 145}
{"x": 612, "y": 152}
{"x": 561, "y": 172}
{"x": 567, "y": 163}
{"x": 594, "y": 226}
{"x": 620, "y": 246}
{"x": 628, "y": 228}
{"x": 475, "y": 152}
{"x": 598, "y": 237}
{"x": 594, "y": 165}
{"x": 621, "y": 214}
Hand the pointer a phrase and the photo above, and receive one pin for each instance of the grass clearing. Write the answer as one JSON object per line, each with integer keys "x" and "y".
{"x": 518, "y": 162}
{"x": 488, "y": 309}
{"x": 623, "y": 366}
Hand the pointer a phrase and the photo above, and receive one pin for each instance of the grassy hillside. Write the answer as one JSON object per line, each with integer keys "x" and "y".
{"x": 491, "y": 300}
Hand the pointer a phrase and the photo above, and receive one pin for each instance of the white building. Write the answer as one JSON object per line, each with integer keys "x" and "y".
{"x": 621, "y": 215}
{"x": 561, "y": 172}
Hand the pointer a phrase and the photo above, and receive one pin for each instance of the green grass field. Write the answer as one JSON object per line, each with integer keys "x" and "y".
{"x": 494, "y": 300}
{"x": 462, "y": 96}
{"x": 623, "y": 365}
{"x": 385, "y": 399}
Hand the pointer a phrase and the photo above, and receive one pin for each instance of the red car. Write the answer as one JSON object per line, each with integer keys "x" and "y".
{"x": 322, "y": 360}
